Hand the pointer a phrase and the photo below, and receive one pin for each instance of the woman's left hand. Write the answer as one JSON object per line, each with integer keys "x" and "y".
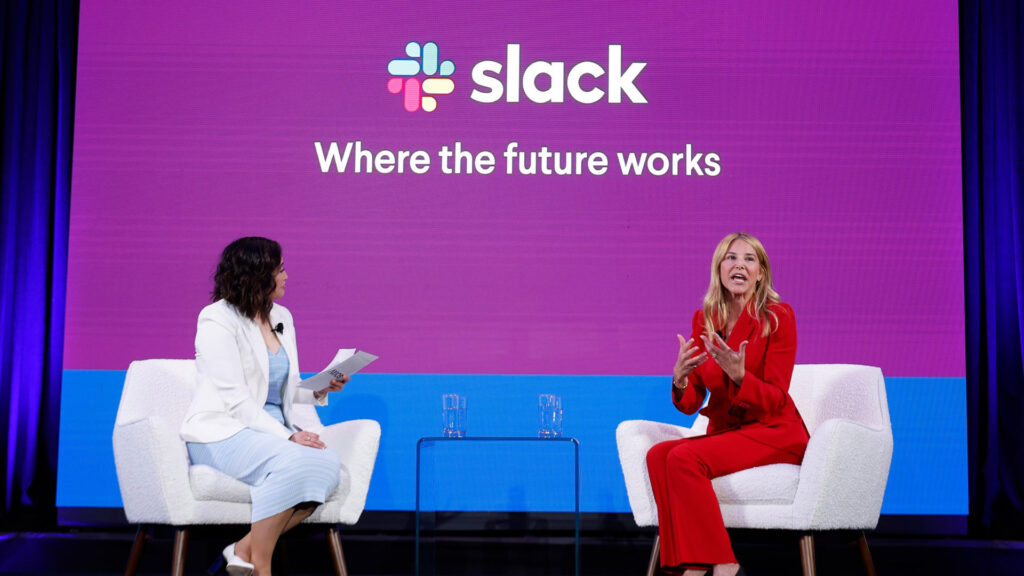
{"x": 308, "y": 439}
{"x": 733, "y": 363}
{"x": 335, "y": 386}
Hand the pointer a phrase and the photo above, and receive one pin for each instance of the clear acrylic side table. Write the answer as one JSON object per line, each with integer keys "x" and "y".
{"x": 496, "y": 439}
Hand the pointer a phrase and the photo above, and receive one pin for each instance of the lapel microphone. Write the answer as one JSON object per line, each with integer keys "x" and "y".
{"x": 279, "y": 328}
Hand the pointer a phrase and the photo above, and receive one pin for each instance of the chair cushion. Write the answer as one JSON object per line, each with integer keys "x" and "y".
{"x": 772, "y": 484}
{"x": 208, "y": 483}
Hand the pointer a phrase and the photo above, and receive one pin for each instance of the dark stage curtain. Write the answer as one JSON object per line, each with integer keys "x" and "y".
{"x": 39, "y": 44}
{"x": 991, "y": 57}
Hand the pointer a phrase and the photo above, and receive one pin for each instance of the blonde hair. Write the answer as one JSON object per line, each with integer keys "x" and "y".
{"x": 715, "y": 307}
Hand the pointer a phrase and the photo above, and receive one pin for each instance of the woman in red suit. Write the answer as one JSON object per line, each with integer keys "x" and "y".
{"x": 741, "y": 352}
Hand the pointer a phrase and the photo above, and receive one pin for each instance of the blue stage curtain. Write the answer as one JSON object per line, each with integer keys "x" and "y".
{"x": 39, "y": 44}
{"x": 991, "y": 56}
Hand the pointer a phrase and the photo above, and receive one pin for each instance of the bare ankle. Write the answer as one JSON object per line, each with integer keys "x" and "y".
{"x": 726, "y": 569}
{"x": 243, "y": 551}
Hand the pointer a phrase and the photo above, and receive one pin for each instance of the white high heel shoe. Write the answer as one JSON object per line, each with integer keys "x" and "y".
{"x": 236, "y": 566}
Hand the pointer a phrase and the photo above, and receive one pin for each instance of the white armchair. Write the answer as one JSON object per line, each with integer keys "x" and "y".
{"x": 839, "y": 485}
{"x": 158, "y": 486}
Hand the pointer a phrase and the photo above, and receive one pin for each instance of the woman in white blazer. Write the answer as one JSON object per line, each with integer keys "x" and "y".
{"x": 238, "y": 421}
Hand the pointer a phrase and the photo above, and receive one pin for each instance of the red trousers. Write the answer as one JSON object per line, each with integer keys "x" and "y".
{"x": 689, "y": 520}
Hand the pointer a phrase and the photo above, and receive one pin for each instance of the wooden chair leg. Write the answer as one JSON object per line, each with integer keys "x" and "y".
{"x": 652, "y": 565}
{"x": 807, "y": 554}
{"x": 180, "y": 547}
{"x": 136, "y": 553}
{"x": 337, "y": 555}
{"x": 865, "y": 555}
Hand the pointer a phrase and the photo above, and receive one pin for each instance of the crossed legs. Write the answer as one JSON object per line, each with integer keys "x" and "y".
{"x": 279, "y": 473}
{"x": 690, "y": 523}
{"x": 258, "y": 545}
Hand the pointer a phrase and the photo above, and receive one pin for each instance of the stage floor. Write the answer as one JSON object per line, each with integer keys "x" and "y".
{"x": 103, "y": 552}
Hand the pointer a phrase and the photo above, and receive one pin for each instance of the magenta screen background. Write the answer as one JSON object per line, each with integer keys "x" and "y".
{"x": 837, "y": 126}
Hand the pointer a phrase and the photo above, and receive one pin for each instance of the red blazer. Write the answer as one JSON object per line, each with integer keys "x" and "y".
{"x": 760, "y": 407}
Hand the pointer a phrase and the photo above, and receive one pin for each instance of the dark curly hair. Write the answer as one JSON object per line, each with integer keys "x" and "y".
{"x": 245, "y": 275}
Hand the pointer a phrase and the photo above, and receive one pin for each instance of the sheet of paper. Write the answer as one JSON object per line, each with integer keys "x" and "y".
{"x": 346, "y": 362}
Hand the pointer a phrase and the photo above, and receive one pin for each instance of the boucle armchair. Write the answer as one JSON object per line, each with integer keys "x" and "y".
{"x": 158, "y": 486}
{"x": 839, "y": 485}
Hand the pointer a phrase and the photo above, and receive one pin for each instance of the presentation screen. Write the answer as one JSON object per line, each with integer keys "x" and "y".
{"x": 508, "y": 199}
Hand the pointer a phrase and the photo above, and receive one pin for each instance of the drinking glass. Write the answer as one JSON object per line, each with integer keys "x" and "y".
{"x": 550, "y": 416}
{"x": 453, "y": 415}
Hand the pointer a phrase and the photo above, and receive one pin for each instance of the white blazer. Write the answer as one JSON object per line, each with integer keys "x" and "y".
{"x": 233, "y": 376}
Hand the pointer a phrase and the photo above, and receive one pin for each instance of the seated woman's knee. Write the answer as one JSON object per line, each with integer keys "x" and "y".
{"x": 685, "y": 457}
{"x": 656, "y": 455}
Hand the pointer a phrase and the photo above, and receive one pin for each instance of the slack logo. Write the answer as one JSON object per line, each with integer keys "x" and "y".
{"x": 404, "y": 72}
{"x": 496, "y": 79}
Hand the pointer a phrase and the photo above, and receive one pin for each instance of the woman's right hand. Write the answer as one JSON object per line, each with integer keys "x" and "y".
{"x": 689, "y": 358}
{"x": 308, "y": 439}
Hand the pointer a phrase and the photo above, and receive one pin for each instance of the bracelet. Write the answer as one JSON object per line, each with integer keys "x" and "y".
{"x": 686, "y": 384}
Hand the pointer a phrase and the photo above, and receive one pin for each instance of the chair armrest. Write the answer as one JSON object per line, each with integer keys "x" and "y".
{"x": 152, "y": 471}
{"x": 843, "y": 476}
{"x": 356, "y": 443}
{"x": 634, "y": 439}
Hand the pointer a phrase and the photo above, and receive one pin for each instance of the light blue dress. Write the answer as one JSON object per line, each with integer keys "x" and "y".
{"x": 279, "y": 472}
{"x": 278, "y": 378}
